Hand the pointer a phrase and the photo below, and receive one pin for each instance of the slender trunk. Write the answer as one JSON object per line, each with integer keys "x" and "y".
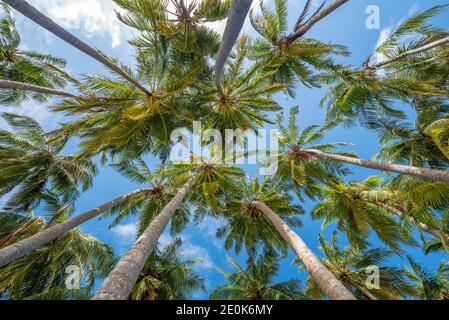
{"x": 413, "y": 52}
{"x": 320, "y": 274}
{"x": 321, "y": 14}
{"x": 6, "y": 84}
{"x": 431, "y": 174}
{"x": 38, "y": 17}
{"x": 236, "y": 19}
{"x": 120, "y": 282}
{"x": 25, "y": 246}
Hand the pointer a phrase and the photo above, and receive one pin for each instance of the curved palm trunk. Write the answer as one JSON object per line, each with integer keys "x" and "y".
{"x": 237, "y": 15}
{"x": 413, "y": 52}
{"x": 320, "y": 274}
{"x": 6, "y": 84}
{"x": 319, "y": 15}
{"x": 431, "y": 174}
{"x": 120, "y": 282}
{"x": 25, "y": 246}
{"x": 38, "y": 17}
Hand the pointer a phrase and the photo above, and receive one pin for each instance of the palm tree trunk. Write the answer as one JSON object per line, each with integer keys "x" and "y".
{"x": 321, "y": 14}
{"x": 6, "y": 84}
{"x": 320, "y": 274}
{"x": 25, "y": 246}
{"x": 413, "y": 52}
{"x": 236, "y": 19}
{"x": 38, "y": 17}
{"x": 120, "y": 282}
{"x": 431, "y": 174}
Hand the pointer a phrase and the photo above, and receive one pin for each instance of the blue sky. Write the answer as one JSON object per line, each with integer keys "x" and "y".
{"x": 94, "y": 21}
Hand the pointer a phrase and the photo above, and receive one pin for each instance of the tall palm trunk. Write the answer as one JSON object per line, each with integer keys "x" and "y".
{"x": 431, "y": 174}
{"x": 427, "y": 47}
{"x": 320, "y": 274}
{"x": 120, "y": 282}
{"x": 25, "y": 246}
{"x": 6, "y": 84}
{"x": 38, "y": 17}
{"x": 236, "y": 19}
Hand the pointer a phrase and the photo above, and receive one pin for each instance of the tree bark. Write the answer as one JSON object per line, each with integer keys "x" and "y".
{"x": 413, "y": 52}
{"x": 236, "y": 19}
{"x": 120, "y": 282}
{"x": 6, "y": 84}
{"x": 431, "y": 174}
{"x": 38, "y": 17}
{"x": 25, "y": 246}
{"x": 320, "y": 274}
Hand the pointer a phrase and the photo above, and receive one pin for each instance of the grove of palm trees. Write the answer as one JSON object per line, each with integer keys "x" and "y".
{"x": 357, "y": 207}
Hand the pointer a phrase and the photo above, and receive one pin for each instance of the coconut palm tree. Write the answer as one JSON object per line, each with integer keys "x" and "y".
{"x": 347, "y": 205}
{"x": 38, "y": 17}
{"x": 32, "y": 160}
{"x": 293, "y": 59}
{"x": 257, "y": 282}
{"x": 428, "y": 285}
{"x": 28, "y": 67}
{"x": 42, "y": 274}
{"x": 439, "y": 132}
{"x": 251, "y": 222}
{"x": 205, "y": 176}
{"x": 351, "y": 266}
{"x": 167, "y": 276}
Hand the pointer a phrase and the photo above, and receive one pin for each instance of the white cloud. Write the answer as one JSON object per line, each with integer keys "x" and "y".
{"x": 191, "y": 251}
{"x": 126, "y": 233}
{"x": 90, "y": 16}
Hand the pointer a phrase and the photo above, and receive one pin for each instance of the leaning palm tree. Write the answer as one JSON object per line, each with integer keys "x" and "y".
{"x": 28, "y": 67}
{"x": 208, "y": 177}
{"x": 351, "y": 266}
{"x": 256, "y": 282}
{"x": 347, "y": 205}
{"x": 32, "y": 159}
{"x": 42, "y": 274}
{"x": 167, "y": 276}
{"x": 428, "y": 285}
{"x": 252, "y": 219}
{"x": 38, "y": 17}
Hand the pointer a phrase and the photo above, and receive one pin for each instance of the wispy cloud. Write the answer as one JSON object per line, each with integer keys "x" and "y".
{"x": 125, "y": 233}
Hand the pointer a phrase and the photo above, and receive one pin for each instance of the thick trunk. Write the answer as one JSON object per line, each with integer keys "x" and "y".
{"x": 431, "y": 174}
{"x": 38, "y": 17}
{"x": 320, "y": 274}
{"x": 320, "y": 15}
{"x": 23, "y": 247}
{"x": 236, "y": 19}
{"x": 413, "y": 52}
{"x": 120, "y": 282}
{"x": 6, "y": 84}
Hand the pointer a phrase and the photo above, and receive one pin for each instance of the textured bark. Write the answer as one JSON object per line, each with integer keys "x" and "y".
{"x": 431, "y": 174}
{"x": 328, "y": 283}
{"x": 38, "y": 17}
{"x": 413, "y": 52}
{"x": 120, "y": 282}
{"x": 236, "y": 19}
{"x": 6, "y": 84}
{"x": 25, "y": 246}
{"x": 320, "y": 15}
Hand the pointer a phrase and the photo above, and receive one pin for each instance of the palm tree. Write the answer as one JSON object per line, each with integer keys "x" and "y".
{"x": 350, "y": 266}
{"x": 429, "y": 286}
{"x": 356, "y": 215}
{"x": 166, "y": 276}
{"x": 439, "y": 132}
{"x": 291, "y": 59}
{"x": 31, "y": 160}
{"x": 42, "y": 274}
{"x": 255, "y": 211}
{"x": 32, "y": 69}
{"x": 209, "y": 178}
{"x": 256, "y": 282}
{"x": 38, "y": 17}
